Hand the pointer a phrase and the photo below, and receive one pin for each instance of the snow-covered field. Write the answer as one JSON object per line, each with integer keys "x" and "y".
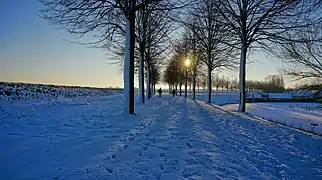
{"x": 299, "y": 115}
{"x": 27, "y": 92}
{"x": 220, "y": 97}
{"x": 169, "y": 138}
{"x": 232, "y": 97}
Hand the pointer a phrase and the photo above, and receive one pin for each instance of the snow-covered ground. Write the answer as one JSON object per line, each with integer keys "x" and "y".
{"x": 169, "y": 138}
{"x": 219, "y": 97}
{"x": 27, "y": 92}
{"x": 232, "y": 97}
{"x": 299, "y": 115}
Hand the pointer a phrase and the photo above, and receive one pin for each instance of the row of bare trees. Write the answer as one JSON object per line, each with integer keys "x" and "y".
{"x": 217, "y": 33}
{"x": 220, "y": 29}
{"x": 135, "y": 31}
{"x": 272, "y": 83}
{"x": 304, "y": 60}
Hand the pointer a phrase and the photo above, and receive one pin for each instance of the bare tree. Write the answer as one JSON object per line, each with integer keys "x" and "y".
{"x": 304, "y": 59}
{"x": 258, "y": 23}
{"x": 195, "y": 54}
{"x": 181, "y": 49}
{"x": 204, "y": 81}
{"x": 210, "y": 33}
{"x": 199, "y": 81}
{"x": 227, "y": 83}
{"x": 170, "y": 74}
{"x": 104, "y": 19}
{"x": 153, "y": 30}
{"x": 222, "y": 82}
{"x": 233, "y": 84}
{"x": 216, "y": 81}
{"x": 172, "y": 71}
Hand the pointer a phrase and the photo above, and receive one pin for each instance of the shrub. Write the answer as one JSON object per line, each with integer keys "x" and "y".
{"x": 17, "y": 92}
{"x": 8, "y": 92}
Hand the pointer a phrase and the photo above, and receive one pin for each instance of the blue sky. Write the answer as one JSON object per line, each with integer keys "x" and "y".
{"x": 32, "y": 50}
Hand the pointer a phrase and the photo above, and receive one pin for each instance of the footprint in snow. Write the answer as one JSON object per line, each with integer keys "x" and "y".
{"x": 114, "y": 156}
{"x": 187, "y": 174}
{"x": 164, "y": 148}
{"x": 145, "y": 148}
{"x": 192, "y": 153}
{"x": 162, "y": 154}
{"x": 109, "y": 170}
{"x": 188, "y": 145}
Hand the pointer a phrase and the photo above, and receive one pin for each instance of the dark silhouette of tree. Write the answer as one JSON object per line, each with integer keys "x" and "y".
{"x": 173, "y": 72}
{"x": 104, "y": 19}
{"x": 304, "y": 59}
{"x": 153, "y": 29}
{"x": 258, "y": 23}
{"x": 211, "y": 35}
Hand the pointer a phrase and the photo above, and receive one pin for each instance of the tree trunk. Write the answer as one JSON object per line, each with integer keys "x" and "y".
{"x": 148, "y": 81}
{"x": 151, "y": 85}
{"x": 186, "y": 85}
{"x": 209, "y": 85}
{"x": 180, "y": 84}
{"x": 242, "y": 77}
{"x": 129, "y": 62}
{"x": 194, "y": 86}
{"x": 141, "y": 76}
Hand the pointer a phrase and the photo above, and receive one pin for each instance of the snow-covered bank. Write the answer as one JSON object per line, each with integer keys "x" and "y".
{"x": 298, "y": 115}
{"x": 26, "y": 92}
{"x": 170, "y": 138}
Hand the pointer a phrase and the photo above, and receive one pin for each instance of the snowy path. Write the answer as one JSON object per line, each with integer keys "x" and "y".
{"x": 168, "y": 139}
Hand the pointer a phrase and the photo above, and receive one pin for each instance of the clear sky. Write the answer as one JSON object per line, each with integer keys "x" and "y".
{"x": 32, "y": 50}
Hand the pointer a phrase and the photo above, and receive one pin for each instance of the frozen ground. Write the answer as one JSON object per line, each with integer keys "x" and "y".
{"x": 90, "y": 138}
{"x": 296, "y": 114}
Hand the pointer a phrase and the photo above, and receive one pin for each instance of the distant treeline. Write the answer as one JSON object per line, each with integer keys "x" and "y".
{"x": 272, "y": 83}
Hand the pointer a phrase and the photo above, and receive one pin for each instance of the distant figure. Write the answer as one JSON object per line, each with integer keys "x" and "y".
{"x": 173, "y": 92}
{"x": 160, "y": 92}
